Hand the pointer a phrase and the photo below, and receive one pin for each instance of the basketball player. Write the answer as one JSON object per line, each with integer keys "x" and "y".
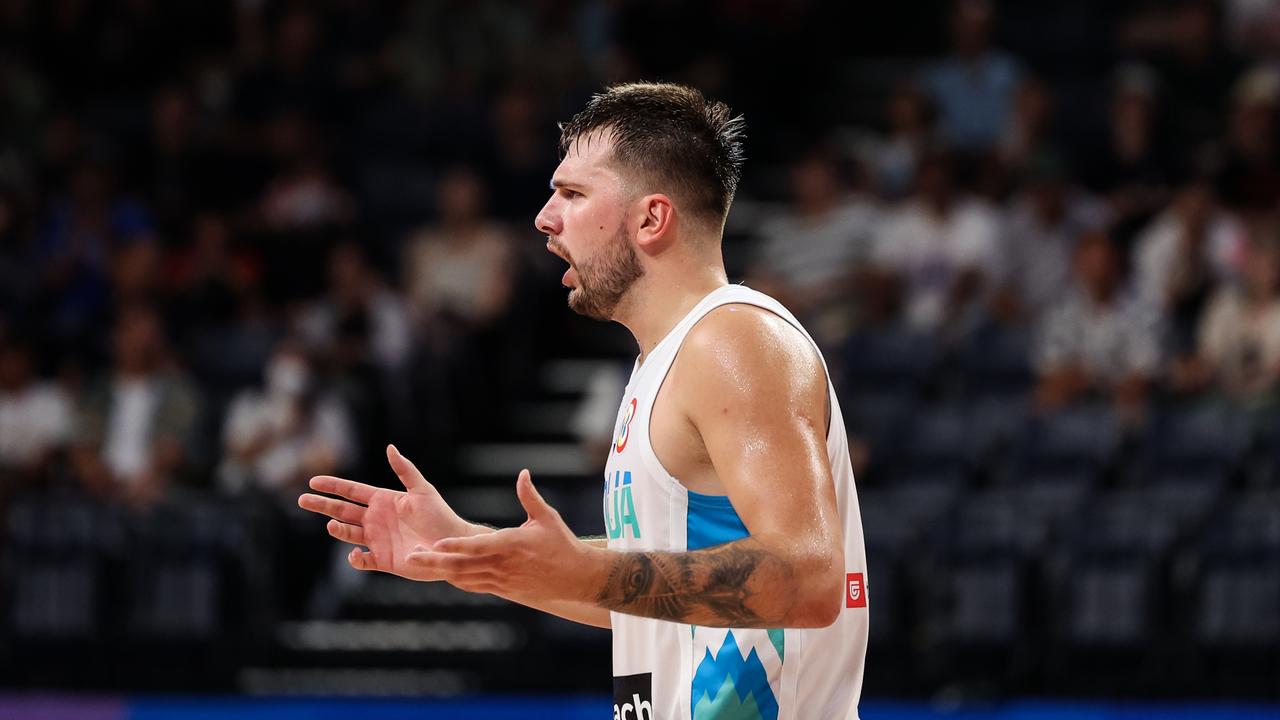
{"x": 733, "y": 575}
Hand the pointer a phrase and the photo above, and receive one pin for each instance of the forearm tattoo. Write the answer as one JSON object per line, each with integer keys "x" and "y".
{"x": 739, "y": 584}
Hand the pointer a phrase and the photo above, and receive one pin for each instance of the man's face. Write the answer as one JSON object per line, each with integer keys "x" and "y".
{"x": 585, "y": 225}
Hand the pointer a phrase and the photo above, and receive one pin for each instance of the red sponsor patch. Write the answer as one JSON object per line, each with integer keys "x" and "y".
{"x": 855, "y": 591}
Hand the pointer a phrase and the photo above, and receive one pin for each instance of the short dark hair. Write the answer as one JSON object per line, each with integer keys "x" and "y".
{"x": 672, "y": 136}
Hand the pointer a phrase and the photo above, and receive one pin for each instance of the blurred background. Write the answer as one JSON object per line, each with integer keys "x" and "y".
{"x": 243, "y": 242}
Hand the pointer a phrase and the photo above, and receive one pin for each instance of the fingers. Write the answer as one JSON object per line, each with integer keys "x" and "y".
{"x": 353, "y": 534}
{"x": 334, "y": 508}
{"x": 353, "y": 491}
{"x": 530, "y": 498}
{"x": 360, "y": 559}
{"x": 405, "y": 469}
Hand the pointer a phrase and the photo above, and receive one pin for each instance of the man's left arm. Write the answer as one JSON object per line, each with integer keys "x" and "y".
{"x": 755, "y": 391}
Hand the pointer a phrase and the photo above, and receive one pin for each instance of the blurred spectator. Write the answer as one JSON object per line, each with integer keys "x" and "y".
{"x": 1238, "y": 347}
{"x": 361, "y": 334}
{"x": 287, "y": 72}
{"x": 279, "y": 435}
{"x": 136, "y": 423}
{"x": 939, "y": 251}
{"x": 1250, "y": 177}
{"x": 807, "y": 257}
{"x": 135, "y": 272}
{"x": 1184, "y": 254}
{"x": 1185, "y": 41}
{"x": 974, "y": 88}
{"x": 210, "y": 276}
{"x": 1044, "y": 222}
{"x": 523, "y": 156}
{"x": 1129, "y": 166}
{"x": 174, "y": 170}
{"x": 358, "y": 295}
{"x": 35, "y": 417}
{"x": 275, "y": 438}
{"x": 459, "y": 278}
{"x": 1253, "y": 26}
{"x": 1030, "y": 132}
{"x": 74, "y": 247}
{"x": 458, "y": 273}
{"x": 892, "y": 159}
{"x": 1100, "y": 341}
{"x": 304, "y": 195}
{"x": 444, "y": 45}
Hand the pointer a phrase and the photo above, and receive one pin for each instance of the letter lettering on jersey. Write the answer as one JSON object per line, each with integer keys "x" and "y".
{"x": 643, "y": 705}
{"x": 623, "y": 513}
{"x": 633, "y": 697}
{"x": 612, "y": 524}
{"x": 629, "y": 511}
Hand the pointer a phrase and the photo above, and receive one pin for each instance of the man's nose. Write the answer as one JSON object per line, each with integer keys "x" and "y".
{"x": 547, "y": 220}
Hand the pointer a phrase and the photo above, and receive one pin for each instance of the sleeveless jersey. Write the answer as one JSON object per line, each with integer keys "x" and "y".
{"x": 673, "y": 671}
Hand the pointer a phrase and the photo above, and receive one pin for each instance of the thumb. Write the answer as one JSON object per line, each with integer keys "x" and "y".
{"x": 404, "y": 469}
{"x": 530, "y": 498}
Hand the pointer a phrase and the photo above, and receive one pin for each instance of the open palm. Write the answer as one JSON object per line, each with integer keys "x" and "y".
{"x": 390, "y": 523}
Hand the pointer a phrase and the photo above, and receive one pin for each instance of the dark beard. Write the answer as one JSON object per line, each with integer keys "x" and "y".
{"x": 605, "y": 279}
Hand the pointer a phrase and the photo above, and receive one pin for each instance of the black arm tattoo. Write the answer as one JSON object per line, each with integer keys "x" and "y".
{"x": 738, "y": 584}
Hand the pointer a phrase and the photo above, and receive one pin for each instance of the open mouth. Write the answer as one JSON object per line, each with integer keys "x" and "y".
{"x": 570, "y": 275}
{"x": 555, "y": 249}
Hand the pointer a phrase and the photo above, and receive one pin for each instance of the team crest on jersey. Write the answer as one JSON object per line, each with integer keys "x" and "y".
{"x": 624, "y": 427}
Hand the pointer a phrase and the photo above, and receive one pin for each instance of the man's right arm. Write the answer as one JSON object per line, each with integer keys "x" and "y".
{"x": 377, "y": 520}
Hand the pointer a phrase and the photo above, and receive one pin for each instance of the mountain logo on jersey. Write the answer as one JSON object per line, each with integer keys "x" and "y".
{"x": 729, "y": 686}
{"x": 620, "y": 506}
{"x": 624, "y": 427}
{"x": 856, "y": 596}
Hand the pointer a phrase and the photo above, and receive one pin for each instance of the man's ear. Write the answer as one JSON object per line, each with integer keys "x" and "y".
{"x": 657, "y": 220}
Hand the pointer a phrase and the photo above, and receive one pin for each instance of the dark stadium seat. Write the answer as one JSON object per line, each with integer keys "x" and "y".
{"x": 1106, "y": 593}
{"x": 1084, "y": 437}
{"x": 1236, "y": 581}
{"x": 61, "y": 551}
{"x": 939, "y": 437}
{"x": 996, "y": 363}
{"x": 1206, "y": 442}
{"x": 891, "y": 360}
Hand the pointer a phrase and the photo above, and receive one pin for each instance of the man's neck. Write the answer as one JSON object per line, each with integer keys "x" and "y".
{"x": 657, "y": 303}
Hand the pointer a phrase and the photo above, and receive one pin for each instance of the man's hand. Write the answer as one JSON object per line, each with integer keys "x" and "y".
{"x": 390, "y": 523}
{"x": 539, "y": 562}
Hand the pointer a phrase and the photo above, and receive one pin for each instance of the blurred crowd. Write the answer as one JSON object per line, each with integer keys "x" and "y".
{"x": 246, "y": 242}
{"x": 1136, "y": 247}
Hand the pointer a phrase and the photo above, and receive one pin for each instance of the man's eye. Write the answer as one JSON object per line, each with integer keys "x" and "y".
{"x": 570, "y": 193}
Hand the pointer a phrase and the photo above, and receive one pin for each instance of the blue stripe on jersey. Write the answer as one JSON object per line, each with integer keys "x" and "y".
{"x": 711, "y": 520}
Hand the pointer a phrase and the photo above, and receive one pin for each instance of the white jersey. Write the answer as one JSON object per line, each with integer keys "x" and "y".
{"x": 673, "y": 671}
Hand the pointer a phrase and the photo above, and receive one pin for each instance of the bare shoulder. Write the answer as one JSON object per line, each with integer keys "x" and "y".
{"x": 743, "y": 353}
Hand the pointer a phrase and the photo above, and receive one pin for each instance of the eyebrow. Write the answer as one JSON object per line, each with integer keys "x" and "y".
{"x": 557, "y": 184}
